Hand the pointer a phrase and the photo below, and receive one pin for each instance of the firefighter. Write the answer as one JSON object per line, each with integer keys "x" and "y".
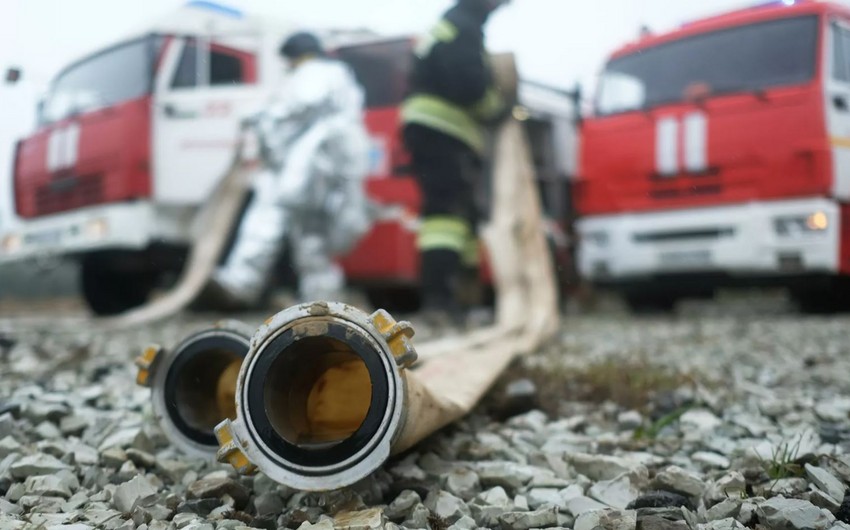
{"x": 311, "y": 190}
{"x": 453, "y": 100}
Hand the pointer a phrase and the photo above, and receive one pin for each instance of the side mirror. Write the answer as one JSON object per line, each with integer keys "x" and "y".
{"x": 39, "y": 111}
{"x": 13, "y": 75}
{"x": 577, "y": 97}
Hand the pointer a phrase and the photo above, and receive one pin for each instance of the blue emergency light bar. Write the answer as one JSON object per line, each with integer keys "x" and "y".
{"x": 218, "y": 8}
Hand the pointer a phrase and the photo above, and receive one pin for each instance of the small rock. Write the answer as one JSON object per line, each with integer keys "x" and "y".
{"x": 464, "y": 523}
{"x": 843, "y": 513}
{"x": 505, "y": 474}
{"x": 617, "y": 493}
{"x": 463, "y": 483}
{"x": 601, "y": 467}
{"x": 360, "y": 520}
{"x": 268, "y": 504}
{"x": 9, "y": 508}
{"x": 710, "y": 459}
{"x": 822, "y": 500}
{"x": 629, "y": 420}
{"x": 607, "y": 519}
{"x": 521, "y": 504}
{"x": 47, "y": 485}
{"x": 219, "y": 487}
{"x": 419, "y": 518}
{"x": 182, "y": 520}
{"x": 73, "y": 425}
{"x": 730, "y": 508}
{"x": 38, "y": 464}
{"x": 780, "y": 513}
{"x": 8, "y": 426}
{"x": 201, "y": 507}
{"x": 494, "y": 497}
{"x": 826, "y": 481}
{"x": 581, "y": 505}
{"x": 141, "y": 458}
{"x": 787, "y": 487}
{"x": 113, "y": 457}
{"x": 402, "y": 506}
{"x": 47, "y": 430}
{"x": 446, "y": 506}
{"x": 700, "y": 421}
{"x": 199, "y": 526}
{"x": 723, "y": 524}
{"x": 542, "y": 518}
{"x": 538, "y": 497}
{"x": 9, "y": 445}
{"x": 677, "y": 480}
{"x": 660, "y": 499}
{"x": 129, "y": 493}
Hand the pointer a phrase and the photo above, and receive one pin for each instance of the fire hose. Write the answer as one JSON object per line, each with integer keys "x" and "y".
{"x": 327, "y": 393}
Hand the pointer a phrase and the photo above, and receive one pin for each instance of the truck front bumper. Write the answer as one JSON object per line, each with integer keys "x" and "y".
{"x": 759, "y": 239}
{"x": 126, "y": 226}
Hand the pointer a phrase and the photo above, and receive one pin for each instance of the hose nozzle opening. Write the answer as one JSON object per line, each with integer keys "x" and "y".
{"x": 320, "y": 403}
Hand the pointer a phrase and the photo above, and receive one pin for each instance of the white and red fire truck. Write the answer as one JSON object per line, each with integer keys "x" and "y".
{"x": 719, "y": 154}
{"x": 133, "y": 138}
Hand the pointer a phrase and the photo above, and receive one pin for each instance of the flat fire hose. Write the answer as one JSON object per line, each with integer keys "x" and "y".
{"x": 326, "y": 393}
{"x": 214, "y": 224}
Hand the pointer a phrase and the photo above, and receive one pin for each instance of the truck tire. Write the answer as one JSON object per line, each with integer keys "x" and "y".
{"x": 109, "y": 290}
{"x": 651, "y": 303}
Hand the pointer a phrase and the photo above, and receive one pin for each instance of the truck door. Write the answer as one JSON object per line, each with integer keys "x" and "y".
{"x": 205, "y": 88}
{"x": 838, "y": 105}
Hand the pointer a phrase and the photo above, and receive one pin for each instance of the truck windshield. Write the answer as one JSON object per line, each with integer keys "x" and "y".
{"x": 118, "y": 74}
{"x": 748, "y": 58}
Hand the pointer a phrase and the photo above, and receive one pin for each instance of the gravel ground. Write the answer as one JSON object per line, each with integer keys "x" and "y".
{"x": 729, "y": 415}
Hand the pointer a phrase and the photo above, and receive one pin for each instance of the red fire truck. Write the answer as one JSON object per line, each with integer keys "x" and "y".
{"x": 719, "y": 155}
{"x": 133, "y": 138}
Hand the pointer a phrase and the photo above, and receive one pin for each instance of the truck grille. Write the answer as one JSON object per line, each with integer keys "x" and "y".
{"x": 68, "y": 193}
{"x": 683, "y": 235}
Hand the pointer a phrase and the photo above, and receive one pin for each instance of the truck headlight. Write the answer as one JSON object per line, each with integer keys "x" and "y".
{"x": 193, "y": 385}
{"x": 97, "y": 229}
{"x": 801, "y": 224}
{"x": 11, "y": 243}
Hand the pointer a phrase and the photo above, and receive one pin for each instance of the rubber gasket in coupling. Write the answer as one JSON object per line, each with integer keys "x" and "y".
{"x": 306, "y": 458}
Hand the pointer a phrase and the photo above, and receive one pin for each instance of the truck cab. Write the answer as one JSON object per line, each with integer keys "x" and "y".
{"x": 718, "y": 156}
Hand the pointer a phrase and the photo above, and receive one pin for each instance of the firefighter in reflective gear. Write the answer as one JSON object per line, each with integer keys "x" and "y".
{"x": 315, "y": 154}
{"x": 453, "y": 100}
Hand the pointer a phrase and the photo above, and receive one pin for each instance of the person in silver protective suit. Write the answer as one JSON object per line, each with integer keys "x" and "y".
{"x": 315, "y": 157}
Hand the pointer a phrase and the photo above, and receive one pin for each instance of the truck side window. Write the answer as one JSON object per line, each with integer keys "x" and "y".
{"x": 225, "y": 69}
{"x": 227, "y": 66}
{"x": 187, "y": 70}
{"x": 841, "y": 53}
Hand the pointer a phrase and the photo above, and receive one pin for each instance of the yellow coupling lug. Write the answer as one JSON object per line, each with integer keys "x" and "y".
{"x": 146, "y": 363}
{"x": 397, "y": 335}
{"x": 230, "y": 452}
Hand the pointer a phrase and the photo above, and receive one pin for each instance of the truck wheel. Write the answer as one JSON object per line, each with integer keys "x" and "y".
{"x": 108, "y": 290}
{"x": 651, "y": 303}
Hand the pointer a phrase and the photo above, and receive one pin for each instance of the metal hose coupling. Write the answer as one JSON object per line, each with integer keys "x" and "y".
{"x": 320, "y": 398}
{"x": 193, "y": 385}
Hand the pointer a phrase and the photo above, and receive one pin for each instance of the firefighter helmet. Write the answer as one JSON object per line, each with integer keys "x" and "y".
{"x": 301, "y": 44}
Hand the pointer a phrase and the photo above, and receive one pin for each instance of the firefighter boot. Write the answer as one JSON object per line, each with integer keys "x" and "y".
{"x": 440, "y": 278}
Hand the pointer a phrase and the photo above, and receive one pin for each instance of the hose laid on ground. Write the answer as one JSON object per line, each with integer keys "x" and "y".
{"x": 327, "y": 392}
{"x": 213, "y": 226}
